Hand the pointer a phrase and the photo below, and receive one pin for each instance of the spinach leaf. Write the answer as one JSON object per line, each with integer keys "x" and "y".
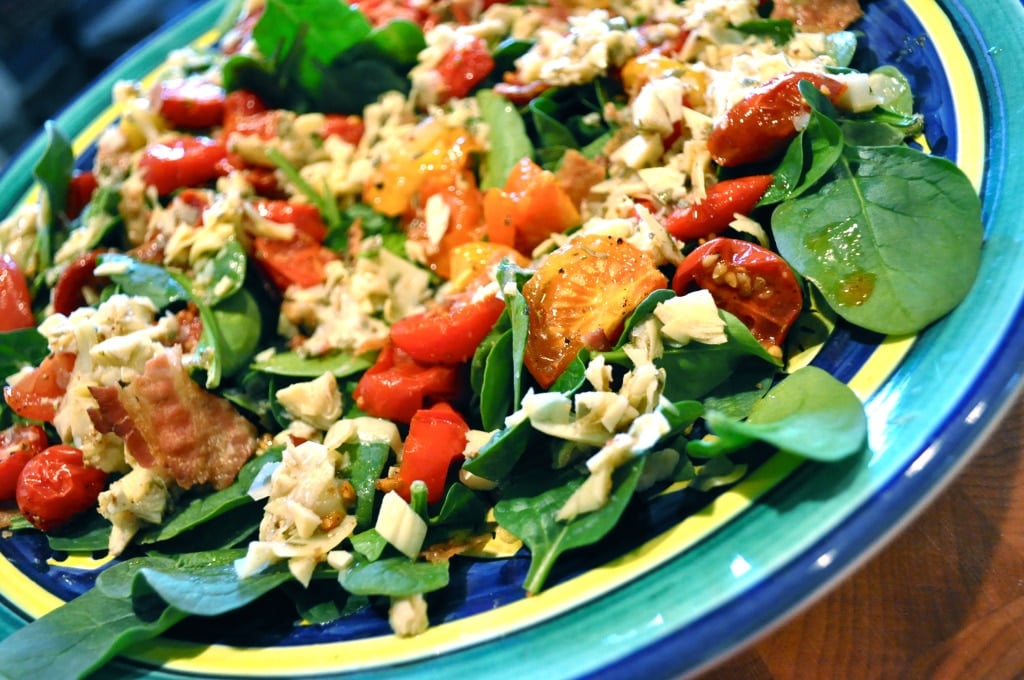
{"x": 529, "y": 506}
{"x": 394, "y": 576}
{"x": 508, "y": 146}
{"x": 369, "y": 544}
{"x": 293, "y": 365}
{"x": 562, "y": 118}
{"x": 368, "y": 461}
{"x": 53, "y": 173}
{"x": 206, "y": 584}
{"x": 842, "y": 45}
{"x": 891, "y": 237}
{"x": 239, "y": 321}
{"x": 496, "y": 459}
{"x": 229, "y": 265}
{"x": 462, "y": 507}
{"x": 511, "y": 278}
{"x": 20, "y": 349}
{"x": 86, "y": 534}
{"x": 146, "y": 280}
{"x": 201, "y": 509}
{"x": 496, "y": 393}
{"x": 808, "y": 414}
{"x": 83, "y": 634}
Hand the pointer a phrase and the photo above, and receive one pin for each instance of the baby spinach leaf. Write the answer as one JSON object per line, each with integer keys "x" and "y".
{"x": 146, "y": 280}
{"x": 642, "y": 312}
{"x": 230, "y": 265}
{"x": 842, "y": 45}
{"x": 511, "y": 278}
{"x": 462, "y": 507}
{"x": 206, "y": 584}
{"x": 53, "y": 173}
{"x": 82, "y": 635}
{"x": 496, "y": 393}
{"x": 529, "y": 506}
{"x": 369, "y": 544}
{"x": 201, "y": 509}
{"x": 891, "y": 237}
{"x": 294, "y": 365}
{"x": 496, "y": 459}
{"x": 781, "y": 31}
{"x": 87, "y": 534}
{"x": 479, "y": 362}
{"x": 394, "y": 576}
{"x": 368, "y": 461}
{"x": 238, "y": 319}
{"x": 20, "y": 349}
{"x": 808, "y": 414}
{"x": 509, "y": 146}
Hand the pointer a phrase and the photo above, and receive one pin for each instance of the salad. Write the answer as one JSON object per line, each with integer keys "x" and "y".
{"x": 359, "y": 293}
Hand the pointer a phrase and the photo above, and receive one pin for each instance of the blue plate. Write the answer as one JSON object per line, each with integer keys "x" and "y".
{"x": 705, "y": 573}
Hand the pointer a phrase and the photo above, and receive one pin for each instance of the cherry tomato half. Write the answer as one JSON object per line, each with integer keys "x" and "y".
{"x": 56, "y": 485}
{"x": 464, "y": 66}
{"x": 761, "y": 125}
{"x": 748, "y": 281}
{"x": 15, "y": 300}
{"x": 37, "y": 394}
{"x": 83, "y": 186}
{"x": 18, "y": 444}
{"x": 436, "y": 439}
{"x": 69, "y": 291}
{"x": 192, "y": 102}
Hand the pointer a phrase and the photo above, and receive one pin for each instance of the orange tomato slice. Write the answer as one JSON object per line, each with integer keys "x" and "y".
{"x": 580, "y": 297}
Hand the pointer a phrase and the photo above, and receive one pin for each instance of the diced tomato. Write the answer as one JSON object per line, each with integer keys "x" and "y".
{"x": 304, "y": 216}
{"x": 36, "y": 395}
{"x": 18, "y": 444}
{"x": 83, "y": 186}
{"x": 15, "y": 299}
{"x": 580, "y": 297}
{"x": 298, "y": 261}
{"x": 761, "y": 125}
{"x": 185, "y": 162}
{"x": 193, "y": 102}
{"x": 750, "y": 282}
{"x": 535, "y": 205}
{"x": 436, "y": 439}
{"x": 349, "y": 128}
{"x": 448, "y": 332}
{"x": 465, "y": 65}
{"x": 56, "y": 485}
{"x": 69, "y": 292}
{"x": 722, "y": 201}
{"x": 396, "y": 386}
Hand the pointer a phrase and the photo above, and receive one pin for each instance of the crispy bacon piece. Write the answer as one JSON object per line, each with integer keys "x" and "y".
{"x": 825, "y": 16}
{"x": 170, "y": 422}
{"x": 578, "y": 175}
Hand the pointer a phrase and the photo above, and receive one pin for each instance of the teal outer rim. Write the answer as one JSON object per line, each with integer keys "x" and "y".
{"x": 822, "y": 521}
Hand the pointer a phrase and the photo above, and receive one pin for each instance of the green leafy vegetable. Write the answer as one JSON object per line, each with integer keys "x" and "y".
{"x": 891, "y": 237}
{"x": 295, "y": 365}
{"x": 394, "y": 576}
{"x": 508, "y": 148}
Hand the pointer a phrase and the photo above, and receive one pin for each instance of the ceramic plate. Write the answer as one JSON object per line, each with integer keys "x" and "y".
{"x": 705, "y": 573}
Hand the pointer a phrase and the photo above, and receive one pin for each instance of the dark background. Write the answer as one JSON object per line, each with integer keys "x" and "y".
{"x": 51, "y": 50}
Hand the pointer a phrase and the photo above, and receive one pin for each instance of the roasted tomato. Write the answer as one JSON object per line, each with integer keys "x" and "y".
{"x": 448, "y": 332}
{"x": 580, "y": 297}
{"x": 56, "y": 485}
{"x": 750, "y": 282}
{"x": 70, "y": 291}
{"x": 722, "y": 201}
{"x": 184, "y": 162}
{"x": 761, "y": 125}
{"x": 18, "y": 444}
{"x": 192, "y": 102}
{"x": 436, "y": 439}
{"x": 465, "y": 65}
{"x": 36, "y": 395}
{"x": 15, "y": 300}
{"x": 396, "y": 386}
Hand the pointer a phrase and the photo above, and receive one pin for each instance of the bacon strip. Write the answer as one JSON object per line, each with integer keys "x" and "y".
{"x": 825, "y": 16}
{"x": 170, "y": 422}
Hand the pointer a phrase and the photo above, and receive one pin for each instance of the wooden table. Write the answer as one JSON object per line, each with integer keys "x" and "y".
{"x": 945, "y": 599}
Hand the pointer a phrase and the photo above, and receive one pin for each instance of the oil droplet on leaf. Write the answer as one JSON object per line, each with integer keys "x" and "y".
{"x": 856, "y": 288}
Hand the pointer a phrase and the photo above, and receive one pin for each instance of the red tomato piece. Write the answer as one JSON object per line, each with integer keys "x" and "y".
{"x": 395, "y": 387}
{"x": 56, "y": 485}
{"x": 299, "y": 261}
{"x": 761, "y": 125}
{"x": 192, "y": 102}
{"x": 715, "y": 212}
{"x": 304, "y": 216}
{"x": 15, "y": 300}
{"x": 748, "y": 281}
{"x": 18, "y": 444}
{"x": 349, "y": 128}
{"x": 436, "y": 439}
{"x": 240, "y": 104}
{"x": 448, "y": 332}
{"x": 185, "y": 162}
{"x": 36, "y": 395}
{"x": 69, "y": 292}
{"x": 465, "y": 65}
{"x": 83, "y": 186}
